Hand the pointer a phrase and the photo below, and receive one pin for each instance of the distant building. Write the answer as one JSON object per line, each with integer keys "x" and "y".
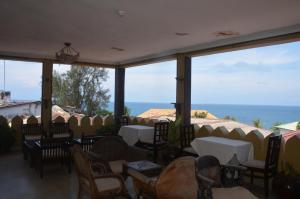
{"x": 288, "y": 127}
{"x": 21, "y": 108}
{"x": 156, "y": 113}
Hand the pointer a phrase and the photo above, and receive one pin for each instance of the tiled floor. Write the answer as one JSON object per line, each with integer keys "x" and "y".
{"x": 18, "y": 180}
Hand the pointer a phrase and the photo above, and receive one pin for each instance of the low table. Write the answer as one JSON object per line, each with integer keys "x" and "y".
{"x": 145, "y": 167}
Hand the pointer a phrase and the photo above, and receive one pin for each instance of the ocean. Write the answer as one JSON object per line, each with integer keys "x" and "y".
{"x": 243, "y": 113}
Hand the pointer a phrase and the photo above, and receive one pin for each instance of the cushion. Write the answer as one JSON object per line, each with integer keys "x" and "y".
{"x": 232, "y": 193}
{"x": 189, "y": 150}
{"x": 178, "y": 180}
{"x": 255, "y": 163}
{"x": 117, "y": 166}
{"x": 107, "y": 184}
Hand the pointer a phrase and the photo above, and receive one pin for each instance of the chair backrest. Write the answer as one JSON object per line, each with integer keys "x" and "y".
{"x": 111, "y": 148}
{"x": 161, "y": 130}
{"x": 187, "y": 135}
{"x": 125, "y": 120}
{"x": 209, "y": 167}
{"x": 54, "y": 148}
{"x": 273, "y": 152}
{"x": 60, "y": 129}
{"x": 83, "y": 168}
{"x": 32, "y": 131}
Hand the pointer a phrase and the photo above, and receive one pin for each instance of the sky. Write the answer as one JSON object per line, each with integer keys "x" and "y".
{"x": 259, "y": 76}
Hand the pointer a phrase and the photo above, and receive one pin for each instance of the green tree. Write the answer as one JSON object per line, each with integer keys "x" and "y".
{"x": 82, "y": 88}
{"x": 298, "y": 126}
{"x": 228, "y": 117}
{"x": 257, "y": 123}
{"x": 273, "y": 128}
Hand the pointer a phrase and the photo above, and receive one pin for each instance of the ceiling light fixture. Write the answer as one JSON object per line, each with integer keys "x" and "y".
{"x": 67, "y": 54}
{"x": 117, "y": 49}
{"x": 121, "y": 13}
{"x": 226, "y": 33}
{"x": 181, "y": 33}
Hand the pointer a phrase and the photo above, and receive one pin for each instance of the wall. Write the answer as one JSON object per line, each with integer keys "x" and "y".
{"x": 87, "y": 125}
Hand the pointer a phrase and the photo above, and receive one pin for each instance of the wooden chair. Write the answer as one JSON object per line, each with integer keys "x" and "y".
{"x": 161, "y": 131}
{"x": 97, "y": 185}
{"x": 60, "y": 129}
{"x": 268, "y": 167}
{"x": 87, "y": 142}
{"x": 30, "y": 133}
{"x": 187, "y": 135}
{"x": 125, "y": 120}
{"x": 53, "y": 150}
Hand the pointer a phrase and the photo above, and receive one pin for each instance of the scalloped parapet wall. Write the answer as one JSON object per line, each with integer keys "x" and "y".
{"x": 87, "y": 125}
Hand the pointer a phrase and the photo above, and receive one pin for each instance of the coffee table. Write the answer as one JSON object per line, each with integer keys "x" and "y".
{"x": 145, "y": 167}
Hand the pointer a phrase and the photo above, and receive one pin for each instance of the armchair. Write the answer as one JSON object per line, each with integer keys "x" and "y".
{"x": 216, "y": 181}
{"x": 102, "y": 184}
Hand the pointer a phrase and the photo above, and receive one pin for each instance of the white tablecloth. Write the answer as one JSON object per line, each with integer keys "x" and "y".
{"x": 134, "y": 133}
{"x": 224, "y": 149}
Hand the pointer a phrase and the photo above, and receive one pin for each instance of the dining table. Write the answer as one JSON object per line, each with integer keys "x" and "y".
{"x": 227, "y": 151}
{"x": 133, "y": 134}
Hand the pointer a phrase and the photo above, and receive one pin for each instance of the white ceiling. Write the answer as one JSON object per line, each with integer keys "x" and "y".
{"x": 37, "y": 29}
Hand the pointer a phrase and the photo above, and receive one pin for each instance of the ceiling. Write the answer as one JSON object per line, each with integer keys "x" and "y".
{"x": 143, "y": 29}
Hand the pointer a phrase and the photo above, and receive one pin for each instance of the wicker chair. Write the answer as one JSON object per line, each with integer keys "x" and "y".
{"x": 187, "y": 135}
{"x": 214, "y": 179}
{"x": 117, "y": 152}
{"x": 269, "y": 167}
{"x": 97, "y": 185}
{"x": 30, "y": 133}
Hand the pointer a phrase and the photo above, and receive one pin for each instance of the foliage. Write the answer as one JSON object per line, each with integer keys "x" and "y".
{"x": 174, "y": 132}
{"x": 228, "y": 117}
{"x": 104, "y": 112}
{"x": 127, "y": 111}
{"x": 7, "y": 138}
{"x": 81, "y": 87}
{"x": 257, "y": 123}
{"x": 298, "y": 126}
{"x": 200, "y": 114}
{"x": 273, "y": 128}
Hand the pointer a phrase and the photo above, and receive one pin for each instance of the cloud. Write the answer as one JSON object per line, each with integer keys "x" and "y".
{"x": 259, "y": 59}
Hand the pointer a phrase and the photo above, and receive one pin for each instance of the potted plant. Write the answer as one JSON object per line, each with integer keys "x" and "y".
{"x": 172, "y": 149}
{"x": 7, "y": 138}
{"x": 287, "y": 183}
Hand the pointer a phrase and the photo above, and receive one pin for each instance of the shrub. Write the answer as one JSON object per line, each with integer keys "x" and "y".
{"x": 298, "y": 126}
{"x": 7, "y": 138}
{"x": 200, "y": 114}
{"x": 228, "y": 117}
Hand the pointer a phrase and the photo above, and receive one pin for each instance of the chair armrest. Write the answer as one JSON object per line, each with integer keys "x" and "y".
{"x": 205, "y": 180}
{"x": 102, "y": 168}
{"x": 136, "y": 153}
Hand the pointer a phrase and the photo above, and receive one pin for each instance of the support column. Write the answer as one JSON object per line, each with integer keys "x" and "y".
{"x": 183, "y": 89}
{"x": 46, "y": 112}
{"x": 119, "y": 94}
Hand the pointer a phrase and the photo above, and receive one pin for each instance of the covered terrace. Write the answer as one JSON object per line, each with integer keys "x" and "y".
{"x": 129, "y": 33}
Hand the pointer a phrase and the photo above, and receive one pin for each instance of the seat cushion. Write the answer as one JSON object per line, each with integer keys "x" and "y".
{"x": 189, "y": 150}
{"x": 107, "y": 184}
{"x": 117, "y": 166}
{"x": 255, "y": 164}
{"x": 232, "y": 193}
